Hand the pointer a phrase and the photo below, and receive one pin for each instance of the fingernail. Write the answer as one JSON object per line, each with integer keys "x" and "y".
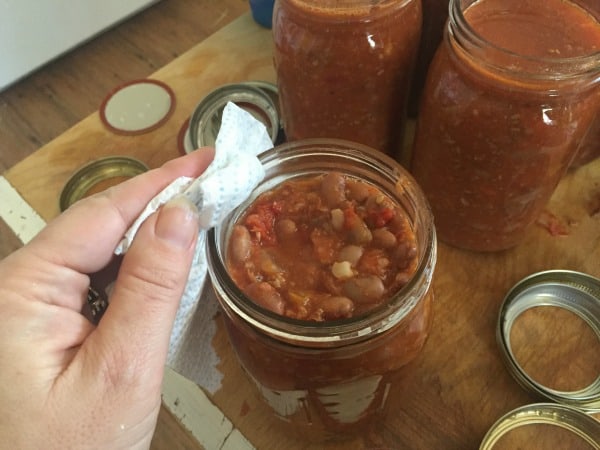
{"x": 177, "y": 222}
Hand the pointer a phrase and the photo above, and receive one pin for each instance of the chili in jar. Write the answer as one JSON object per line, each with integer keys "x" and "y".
{"x": 325, "y": 355}
{"x": 322, "y": 248}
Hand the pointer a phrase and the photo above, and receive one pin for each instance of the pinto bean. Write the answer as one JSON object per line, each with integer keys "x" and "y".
{"x": 333, "y": 189}
{"x": 285, "y": 228}
{"x": 359, "y": 232}
{"x": 267, "y": 264}
{"x": 241, "y": 244}
{"x": 366, "y": 289}
{"x": 384, "y": 238}
{"x": 402, "y": 278}
{"x": 350, "y": 253}
{"x": 266, "y": 296}
{"x": 404, "y": 253}
{"x": 337, "y": 307}
{"x": 357, "y": 191}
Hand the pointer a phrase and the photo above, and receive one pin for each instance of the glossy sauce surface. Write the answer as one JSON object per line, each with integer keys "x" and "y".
{"x": 344, "y": 68}
{"x": 491, "y": 147}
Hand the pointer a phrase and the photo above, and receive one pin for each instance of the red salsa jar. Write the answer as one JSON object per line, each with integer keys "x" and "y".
{"x": 344, "y": 68}
{"x": 510, "y": 96}
{"x": 325, "y": 368}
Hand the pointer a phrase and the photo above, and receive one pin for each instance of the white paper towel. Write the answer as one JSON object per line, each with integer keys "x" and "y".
{"x": 227, "y": 182}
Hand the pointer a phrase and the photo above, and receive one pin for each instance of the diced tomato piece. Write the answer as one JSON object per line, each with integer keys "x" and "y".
{"x": 262, "y": 223}
{"x": 350, "y": 218}
{"x": 380, "y": 217}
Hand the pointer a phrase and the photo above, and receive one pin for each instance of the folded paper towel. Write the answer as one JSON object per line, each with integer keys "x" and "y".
{"x": 226, "y": 183}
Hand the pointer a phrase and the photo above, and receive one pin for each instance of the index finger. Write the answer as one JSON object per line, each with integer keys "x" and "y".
{"x": 85, "y": 235}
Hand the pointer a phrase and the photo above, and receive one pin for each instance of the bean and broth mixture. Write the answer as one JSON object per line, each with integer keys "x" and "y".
{"x": 321, "y": 248}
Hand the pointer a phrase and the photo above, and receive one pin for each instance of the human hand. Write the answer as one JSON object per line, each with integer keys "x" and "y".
{"x": 65, "y": 383}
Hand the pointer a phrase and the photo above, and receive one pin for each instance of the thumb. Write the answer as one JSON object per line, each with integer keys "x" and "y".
{"x": 133, "y": 335}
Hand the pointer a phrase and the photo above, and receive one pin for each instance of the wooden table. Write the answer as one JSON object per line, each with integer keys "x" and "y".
{"x": 459, "y": 386}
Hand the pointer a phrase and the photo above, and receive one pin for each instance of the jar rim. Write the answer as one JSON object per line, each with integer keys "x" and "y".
{"x": 333, "y": 332}
{"x": 347, "y": 10}
{"x": 557, "y": 68}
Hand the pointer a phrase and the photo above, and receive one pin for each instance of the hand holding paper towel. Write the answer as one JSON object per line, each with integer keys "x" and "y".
{"x": 227, "y": 182}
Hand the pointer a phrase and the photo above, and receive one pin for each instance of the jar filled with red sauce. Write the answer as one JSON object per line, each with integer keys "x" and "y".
{"x": 590, "y": 148}
{"x": 510, "y": 96}
{"x": 344, "y": 68}
{"x": 326, "y": 363}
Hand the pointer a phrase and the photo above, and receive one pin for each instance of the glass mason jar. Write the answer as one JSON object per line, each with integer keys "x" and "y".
{"x": 344, "y": 68}
{"x": 510, "y": 96}
{"x": 590, "y": 148}
{"x": 327, "y": 379}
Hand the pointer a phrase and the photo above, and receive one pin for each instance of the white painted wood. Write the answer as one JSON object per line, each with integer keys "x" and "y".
{"x": 20, "y": 217}
{"x": 33, "y": 32}
{"x": 199, "y": 415}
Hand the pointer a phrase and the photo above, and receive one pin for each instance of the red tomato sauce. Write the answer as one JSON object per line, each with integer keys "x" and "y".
{"x": 343, "y": 71}
{"x": 322, "y": 248}
{"x": 493, "y": 141}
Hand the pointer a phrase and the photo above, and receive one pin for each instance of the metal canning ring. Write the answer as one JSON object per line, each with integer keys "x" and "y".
{"x": 573, "y": 291}
{"x": 252, "y": 96}
{"x": 95, "y": 172}
{"x": 563, "y": 416}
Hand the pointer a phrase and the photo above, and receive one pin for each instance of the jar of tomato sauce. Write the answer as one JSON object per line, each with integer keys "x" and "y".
{"x": 510, "y": 96}
{"x": 326, "y": 373}
{"x": 344, "y": 68}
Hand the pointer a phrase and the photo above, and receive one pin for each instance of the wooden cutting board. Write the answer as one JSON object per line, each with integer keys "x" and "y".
{"x": 458, "y": 387}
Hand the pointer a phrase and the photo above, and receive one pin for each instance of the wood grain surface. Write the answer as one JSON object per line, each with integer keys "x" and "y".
{"x": 458, "y": 387}
{"x": 49, "y": 101}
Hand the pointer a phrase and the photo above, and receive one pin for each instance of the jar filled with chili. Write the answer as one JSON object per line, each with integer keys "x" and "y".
{"x": 510, "y": 96}
{"x": 324, "y": 359}
{"x": 344, "y": 68}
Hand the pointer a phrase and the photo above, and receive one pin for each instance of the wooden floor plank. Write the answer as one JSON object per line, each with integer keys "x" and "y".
{"x": 40, "y": 107}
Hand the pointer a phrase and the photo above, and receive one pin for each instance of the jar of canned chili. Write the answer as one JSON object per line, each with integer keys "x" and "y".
{"x": 324, "y": 277}
{"x": 344, "y": 68}
{"x": 510, "y": 96}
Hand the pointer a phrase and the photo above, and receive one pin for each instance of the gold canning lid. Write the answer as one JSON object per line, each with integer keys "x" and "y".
{"x": 101, "y": 170}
